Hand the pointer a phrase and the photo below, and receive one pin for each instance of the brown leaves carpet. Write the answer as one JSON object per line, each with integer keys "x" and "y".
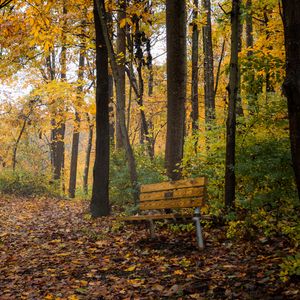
{"x": 52, "y": 249}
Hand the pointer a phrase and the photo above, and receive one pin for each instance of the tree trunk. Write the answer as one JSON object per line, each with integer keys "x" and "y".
{"x": 75, "y": 140}
{"x": 112, "y": 126}
{"x": 115, "y": 70}
{"x": 209, "y": 95}
{"x": 100, "y": 197}
{"x": 219, "y": 67}
{"x": 231, "y": 119}
{"x": 251, "y": 91}
{"x": 74, "y": 157}
{"x": 239, "y": 106}
{"x": 249, "y": 28}
{"x": 15, "y": 149}
{"x": 195, "y": 68}
{"x": 269, "y": 85}
{"x": 291, "y": 86}
{"x": 59, "y": 127}
{"x": 88, "y": 156}
{"x": 120, "y": 81}
{"x": 150, "y": 68}
{"x": 176, "y": 85}
{"x": 140, "y": 97}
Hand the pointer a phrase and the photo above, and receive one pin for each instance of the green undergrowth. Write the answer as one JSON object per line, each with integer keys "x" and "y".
{"x": 149, "y": 171}
{"x": 27, "y": 184}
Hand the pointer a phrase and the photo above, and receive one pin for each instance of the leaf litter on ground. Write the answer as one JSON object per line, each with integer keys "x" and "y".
{"x": 51, "y": 249}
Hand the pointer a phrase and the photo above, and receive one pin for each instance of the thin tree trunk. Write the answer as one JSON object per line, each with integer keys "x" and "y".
{"x": 100, "y": 197}
{"x": 144, "y": 130}
{"x": 291, "y": 87}
{"x": 251, "y": 91}
{"x": 63, "y": 76}
{"x": 239, "y": 106}
{"x": 58, "y": 127}
{"x": 112, "y": 125}
{"x": 74, "y": 157}
{"x": 150, "y": 68}
{"x": 269, "y": 85}
{"x": 14, "y": 158}
{"x": 195, "y": 69}
{"x": 209, "y": 95}
{"x": 88, "y": 156}
{"x": 219, "y": 68}
{"x": 120, "y": 81}
{"x": 231, "y": 119}
{"x": 75, "y": 140}
{"x": 176, "y": 85}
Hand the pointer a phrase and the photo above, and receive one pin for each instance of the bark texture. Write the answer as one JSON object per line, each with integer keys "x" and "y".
{"x": 76, "y": 134}
{"x": 120, "y": 80}
{"x": 195, "y": 68}
{"x": 88, "y": 156}
{"x": 291, "y": 87}
{"x": 209, "y": 94}
{"x": 116, "y": 74}
{"x": 100, "y": 198}
{"x": 176, "y": 85}
{"x": 231, "y": 119}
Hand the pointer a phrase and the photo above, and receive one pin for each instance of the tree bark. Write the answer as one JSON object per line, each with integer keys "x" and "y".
{"x": 115, "y": 70}
{"x": 88, "y": 156}
{"x": 239, "y": 106}
{"x": 15, "y": 149}
{"x": 100, "y": 197}
{"x": 76, "y": 135}
{"x": 231, "y": 119}
{"x": 219, "y": 68}
{"x": 145, "y": 134}
{"x": 195, "y": 69}
{"x": 59, "y": 127}
{"x": 209, "y": 95}
{"x": 291, "y": 86}
{"x": 250, "y": 90}
{"x": 176, "y": 85}
{"x": 74, "y": 157}
{"x": 120, "y": 81}
{"x": 112, "y": 125}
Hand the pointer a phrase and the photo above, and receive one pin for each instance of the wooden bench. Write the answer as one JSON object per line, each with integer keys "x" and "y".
{"x": 180, "y": 194}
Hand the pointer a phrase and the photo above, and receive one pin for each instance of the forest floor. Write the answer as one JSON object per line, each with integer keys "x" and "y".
{"x": 52, "y": 249}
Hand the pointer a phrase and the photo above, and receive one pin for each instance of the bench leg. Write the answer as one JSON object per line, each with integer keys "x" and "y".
{"x": 151, "y": 229}
{"x": 198, "y": 229}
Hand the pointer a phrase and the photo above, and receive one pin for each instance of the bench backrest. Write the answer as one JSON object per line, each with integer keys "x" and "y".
{"x": 174, "y": 194}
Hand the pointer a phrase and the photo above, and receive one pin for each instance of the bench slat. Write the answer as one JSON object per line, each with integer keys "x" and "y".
{"x": 172, "y": 203}
{"x": 181, "y": 193}
{"x": 168, "y": 185}
{"x": 155, "y": 217}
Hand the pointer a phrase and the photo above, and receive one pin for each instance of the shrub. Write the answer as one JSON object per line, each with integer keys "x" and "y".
{"x": 290, "y": 267}
{"x": 23, "y": 183}
{"x": 120, "y": 185}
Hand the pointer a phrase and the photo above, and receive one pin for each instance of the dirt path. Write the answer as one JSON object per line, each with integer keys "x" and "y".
{"x": 51, "y": 249}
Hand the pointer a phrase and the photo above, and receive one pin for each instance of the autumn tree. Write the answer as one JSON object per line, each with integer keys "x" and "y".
{"x": 75, "y": 138}
{"x": 116, "y": 74}
{"x": 209, "y": 94}
{"x": 231, "y": 118}
{"x": 291, "y": 86}
{"x": 100, "y": 198}
{"x": 195, "y": 67}
{"x": 176, "y": 84}
{"x": 120, "y": 80}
